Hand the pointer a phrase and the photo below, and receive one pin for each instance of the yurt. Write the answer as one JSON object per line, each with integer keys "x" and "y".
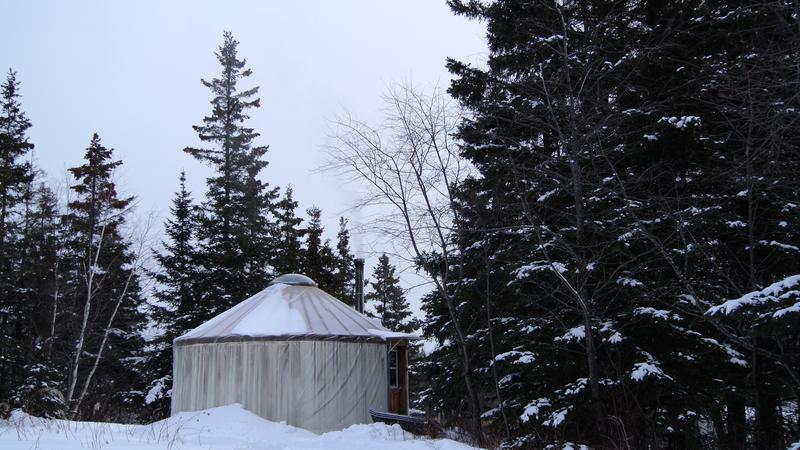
{"x": 293, "y": 353}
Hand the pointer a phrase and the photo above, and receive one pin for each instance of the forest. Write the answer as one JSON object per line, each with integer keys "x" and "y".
{"x": 606, "y": 212}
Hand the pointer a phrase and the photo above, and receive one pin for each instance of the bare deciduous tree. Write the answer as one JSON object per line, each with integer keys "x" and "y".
{"x": 411, "y": 165}
{"x": 136, "y": 269}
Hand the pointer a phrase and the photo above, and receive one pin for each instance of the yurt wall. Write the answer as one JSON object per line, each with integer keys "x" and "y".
{"x": 319, "y": 385}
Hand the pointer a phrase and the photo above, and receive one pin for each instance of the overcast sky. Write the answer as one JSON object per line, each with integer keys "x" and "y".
{"x": 131, "y": 72}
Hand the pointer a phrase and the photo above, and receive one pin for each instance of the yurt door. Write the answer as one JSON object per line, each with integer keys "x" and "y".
{"x": 398, "y": 380}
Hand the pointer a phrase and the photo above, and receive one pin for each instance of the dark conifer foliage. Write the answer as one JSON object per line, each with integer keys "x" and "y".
{"x": 288, "y": 247}
{"x": 388, "y": 298}
{"x": 173, "y": 310}
{"x": 235, "y": 232}
{"x": 31, "y": 241}
{"x": 628, "y": 187}
{"x": 318, "y": 258}
{"x": 15, "y": 171}
{"x": 41, "y": 281}
{"x": 344, "y": 266}
{"x": 16, "y": 174}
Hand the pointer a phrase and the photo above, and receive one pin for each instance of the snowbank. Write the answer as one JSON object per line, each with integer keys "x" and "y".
{"x": 228, "y": 427}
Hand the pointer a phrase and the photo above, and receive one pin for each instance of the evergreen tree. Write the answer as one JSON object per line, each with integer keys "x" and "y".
{"x": 234, "y": 231}
{"x": 318, "y": 257}
{"x": 174, "y": 309}
{"x": 344, "y": 270}
{"x": 626, "y": 183}
{"x": 102, "y": 340}
{"x": 288, "y": 249}
{"x": 389, "y": 300}
{"x": 15, "y": 175}
{"x": 40, "y": 280}
{"x": 714, "y": 177}
{"x": 392, "y": 309}
{"x": 15, "y": 172}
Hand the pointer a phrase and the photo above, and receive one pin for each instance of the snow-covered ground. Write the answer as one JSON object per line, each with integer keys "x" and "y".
{"x": 225, "y": 428}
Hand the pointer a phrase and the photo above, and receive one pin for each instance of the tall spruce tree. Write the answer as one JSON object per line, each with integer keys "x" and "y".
{"x": 288, "y": 246}
{"x": 15, "y": 172}
{"x": 318, "y": 258}
{"x": 103, "y": 341}
{"x": 344, "y": 270}
{"x": 388, "y": 298}
{"x": 15, "y": 176}
{"x": 235, "y": 233}
{"x": 174, "y": 310}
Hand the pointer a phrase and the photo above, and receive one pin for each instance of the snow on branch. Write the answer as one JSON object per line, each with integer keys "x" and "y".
{"x": 577, "y": 333}
{"x": 648, "y": 369}
{"x": 520, "y": 357}
{"x": 533, "y": 408}
{"x": 776, "y": 294}
{"x": 539, "y": 266}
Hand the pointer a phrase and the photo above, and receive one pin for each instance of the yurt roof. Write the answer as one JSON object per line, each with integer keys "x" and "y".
{"x": 292, "y": 307}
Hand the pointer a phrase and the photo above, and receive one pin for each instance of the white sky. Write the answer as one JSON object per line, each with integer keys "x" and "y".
{"x": 131, "y": 71}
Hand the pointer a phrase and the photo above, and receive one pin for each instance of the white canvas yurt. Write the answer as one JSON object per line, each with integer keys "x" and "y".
{"x": 293, "y": 353}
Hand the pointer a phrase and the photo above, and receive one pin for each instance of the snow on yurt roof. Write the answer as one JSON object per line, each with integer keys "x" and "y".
{"x": 291, "y": 307}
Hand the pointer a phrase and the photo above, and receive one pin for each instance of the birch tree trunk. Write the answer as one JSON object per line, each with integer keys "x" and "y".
{"x": 91, "y": 270}
{"x": 99, "y": 354}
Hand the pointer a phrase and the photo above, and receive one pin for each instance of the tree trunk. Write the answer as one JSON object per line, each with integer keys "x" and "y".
{"x": 768, "y": 432}
{"x": 91, "y": 269}
{"x": 490, "y": 334}
{"x": 591, "y": 350}
{"x": 768, "y": 429}
{"x": 99, "y": 354}
{"x": 736, "y": 436}
{"x": 466, "y": 370}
